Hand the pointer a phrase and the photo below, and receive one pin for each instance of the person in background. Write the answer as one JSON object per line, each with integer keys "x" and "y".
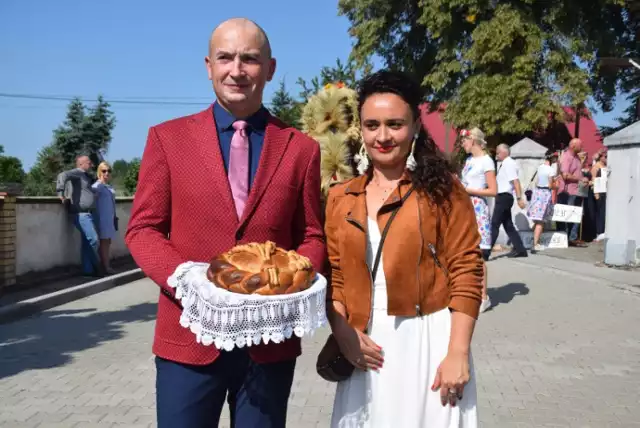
{"x": 479, "y": 179}
{"x": 587, "y": 228}
{"x": 74, "y": 190}
{"x": 569, "y": 177}
{"x": 599, "y": 170}
{"x": 541, "y": 206}
{"x": 105, "y": 213}
{"x": 508, "y": 184}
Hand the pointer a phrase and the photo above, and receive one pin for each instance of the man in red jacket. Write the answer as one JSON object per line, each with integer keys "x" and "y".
{"x": 229, "y": 175}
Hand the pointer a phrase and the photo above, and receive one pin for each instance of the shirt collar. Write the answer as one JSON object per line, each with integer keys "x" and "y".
{"x": 224, "y": 119}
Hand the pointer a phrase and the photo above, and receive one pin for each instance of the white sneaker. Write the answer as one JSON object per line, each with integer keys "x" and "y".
{"x": 486, "y": 304}
{"x": 539, "y": 247}
{"x": 600, "y": 237}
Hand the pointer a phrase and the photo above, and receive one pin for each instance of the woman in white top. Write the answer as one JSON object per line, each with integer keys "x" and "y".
{"x": 412, "y": 365}
{"x": 479, "y": 178}
{"x": 541, "y": 205}
{"x": 600, "y": 169}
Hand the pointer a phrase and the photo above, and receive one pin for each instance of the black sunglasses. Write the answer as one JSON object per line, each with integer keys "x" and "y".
{"x": 106, "y": 170}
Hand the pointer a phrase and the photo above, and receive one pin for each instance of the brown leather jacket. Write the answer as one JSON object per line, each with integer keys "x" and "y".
{"x": 431, "y": 257}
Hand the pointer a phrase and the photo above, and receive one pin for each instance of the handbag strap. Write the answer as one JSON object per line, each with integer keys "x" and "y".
{"x": 376, "y": 263}
{"x": 532, "y": 178}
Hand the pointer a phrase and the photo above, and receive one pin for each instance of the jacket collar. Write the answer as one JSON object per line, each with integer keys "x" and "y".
{"x": 358, "y": 185}
{"x": 224, "y": 119}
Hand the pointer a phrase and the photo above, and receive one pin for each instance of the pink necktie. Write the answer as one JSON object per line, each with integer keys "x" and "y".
{"x": 239, "y": 166}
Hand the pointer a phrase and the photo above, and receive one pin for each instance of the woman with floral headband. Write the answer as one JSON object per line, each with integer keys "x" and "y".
{"x": 541, "y": 206}
{"x": 479, "y": 178}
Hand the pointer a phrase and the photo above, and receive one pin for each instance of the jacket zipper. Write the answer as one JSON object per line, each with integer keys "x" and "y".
{"x": 419, "y": 283}
{"x": 435, "y": 258}
{"x": 363, "y": 229}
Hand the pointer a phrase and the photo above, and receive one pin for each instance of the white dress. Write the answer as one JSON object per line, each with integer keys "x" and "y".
{"x": 400, "y": 394}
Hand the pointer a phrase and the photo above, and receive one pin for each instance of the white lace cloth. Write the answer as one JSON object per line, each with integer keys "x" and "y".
{"x": 227, "y": 320}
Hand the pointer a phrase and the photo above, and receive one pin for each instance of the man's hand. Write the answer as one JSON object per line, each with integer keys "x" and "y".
{"x": 521, "y": 203}
{"x": 62, "y": 199}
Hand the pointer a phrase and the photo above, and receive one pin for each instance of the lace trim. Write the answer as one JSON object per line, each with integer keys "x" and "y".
{"x": 227, "y": 320}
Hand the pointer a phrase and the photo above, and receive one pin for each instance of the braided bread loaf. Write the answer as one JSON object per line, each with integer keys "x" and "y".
{"x": 261, "y": 269}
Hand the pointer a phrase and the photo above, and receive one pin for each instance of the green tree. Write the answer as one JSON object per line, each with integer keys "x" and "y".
{"x": 11, "y": 170}
{"x": 285, "y": 107}
{"x": 97, "y": 128}
{"x": 120, "y": 168}
{"x": 41, "y": 179}
{"x": 84, "y": 131}
{"x": 504, "y": 66}
{"x": 628, "y": 76}
{"x": 131, "y": 179}
{"x": 68, "y": 138}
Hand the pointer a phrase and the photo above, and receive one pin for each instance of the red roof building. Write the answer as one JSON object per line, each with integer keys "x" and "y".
{"x": 556, "y": 137}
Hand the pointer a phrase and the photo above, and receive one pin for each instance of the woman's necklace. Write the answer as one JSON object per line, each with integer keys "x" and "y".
{"x": 385, "y": 190}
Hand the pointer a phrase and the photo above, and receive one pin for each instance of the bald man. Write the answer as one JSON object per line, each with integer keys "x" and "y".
{"x": 74, "y": 189}
{"x": 232, "y": 174}
{"x": 569, "y": 178}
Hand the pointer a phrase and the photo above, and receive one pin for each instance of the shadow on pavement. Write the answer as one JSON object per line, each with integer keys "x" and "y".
{"x": 49, "y": 339}
{"x": 506, "y": 293}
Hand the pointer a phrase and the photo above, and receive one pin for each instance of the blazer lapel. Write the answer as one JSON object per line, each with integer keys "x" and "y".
{"x": 275, "y": 144}
{"x": 208, "y": 147}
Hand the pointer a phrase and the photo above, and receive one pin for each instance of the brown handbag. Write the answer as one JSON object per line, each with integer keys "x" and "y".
{"x": 331, "y": 364}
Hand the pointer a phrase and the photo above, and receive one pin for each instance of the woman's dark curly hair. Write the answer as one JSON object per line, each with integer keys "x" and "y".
{"x": 434, "y": 174}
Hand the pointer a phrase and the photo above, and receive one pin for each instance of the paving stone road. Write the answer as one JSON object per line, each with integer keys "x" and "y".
{"x": 555, "y": 351}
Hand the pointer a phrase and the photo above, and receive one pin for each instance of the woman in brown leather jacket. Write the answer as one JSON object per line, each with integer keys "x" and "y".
{"x": 408, "y": 331}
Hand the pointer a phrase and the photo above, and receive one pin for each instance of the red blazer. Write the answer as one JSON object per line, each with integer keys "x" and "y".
{"x": 183, "y": 210}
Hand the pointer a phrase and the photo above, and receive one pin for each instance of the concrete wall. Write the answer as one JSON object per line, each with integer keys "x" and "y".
{"x": 622, "y": 229}
{"x": 46, "y": 239}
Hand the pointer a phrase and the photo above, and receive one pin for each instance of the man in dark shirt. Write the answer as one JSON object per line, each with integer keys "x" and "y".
{"x": 74, "y": 190}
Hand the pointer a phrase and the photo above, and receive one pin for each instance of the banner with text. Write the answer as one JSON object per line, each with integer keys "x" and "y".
{"x": 567, "y": 213}
{"x": 547, "y": 239}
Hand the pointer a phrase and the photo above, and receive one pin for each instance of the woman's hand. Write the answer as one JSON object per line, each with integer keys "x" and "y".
{"x": 451, "y": 377}
{"x": 358, "y": 348}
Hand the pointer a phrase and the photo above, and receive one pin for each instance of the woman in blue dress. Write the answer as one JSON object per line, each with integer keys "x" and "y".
{"x": 105, "y": 213}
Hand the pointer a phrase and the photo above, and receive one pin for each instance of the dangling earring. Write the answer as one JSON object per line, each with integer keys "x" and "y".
{"x": 411, "y": 160}
{"x": 362, "y": 158}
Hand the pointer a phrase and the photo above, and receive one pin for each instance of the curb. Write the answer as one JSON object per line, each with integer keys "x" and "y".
{"x": 34, "y": 305}
{"x": 586, "y": 271}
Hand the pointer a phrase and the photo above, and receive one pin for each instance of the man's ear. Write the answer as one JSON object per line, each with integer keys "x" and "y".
{"x": 207, "y": 62}
{"x": 272, "y": 69}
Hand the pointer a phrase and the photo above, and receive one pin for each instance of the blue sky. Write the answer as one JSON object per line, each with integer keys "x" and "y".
{"x": 143, "y": 49}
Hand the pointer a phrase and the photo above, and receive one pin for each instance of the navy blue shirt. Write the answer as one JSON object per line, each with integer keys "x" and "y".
{"x": 257, "y": 125}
